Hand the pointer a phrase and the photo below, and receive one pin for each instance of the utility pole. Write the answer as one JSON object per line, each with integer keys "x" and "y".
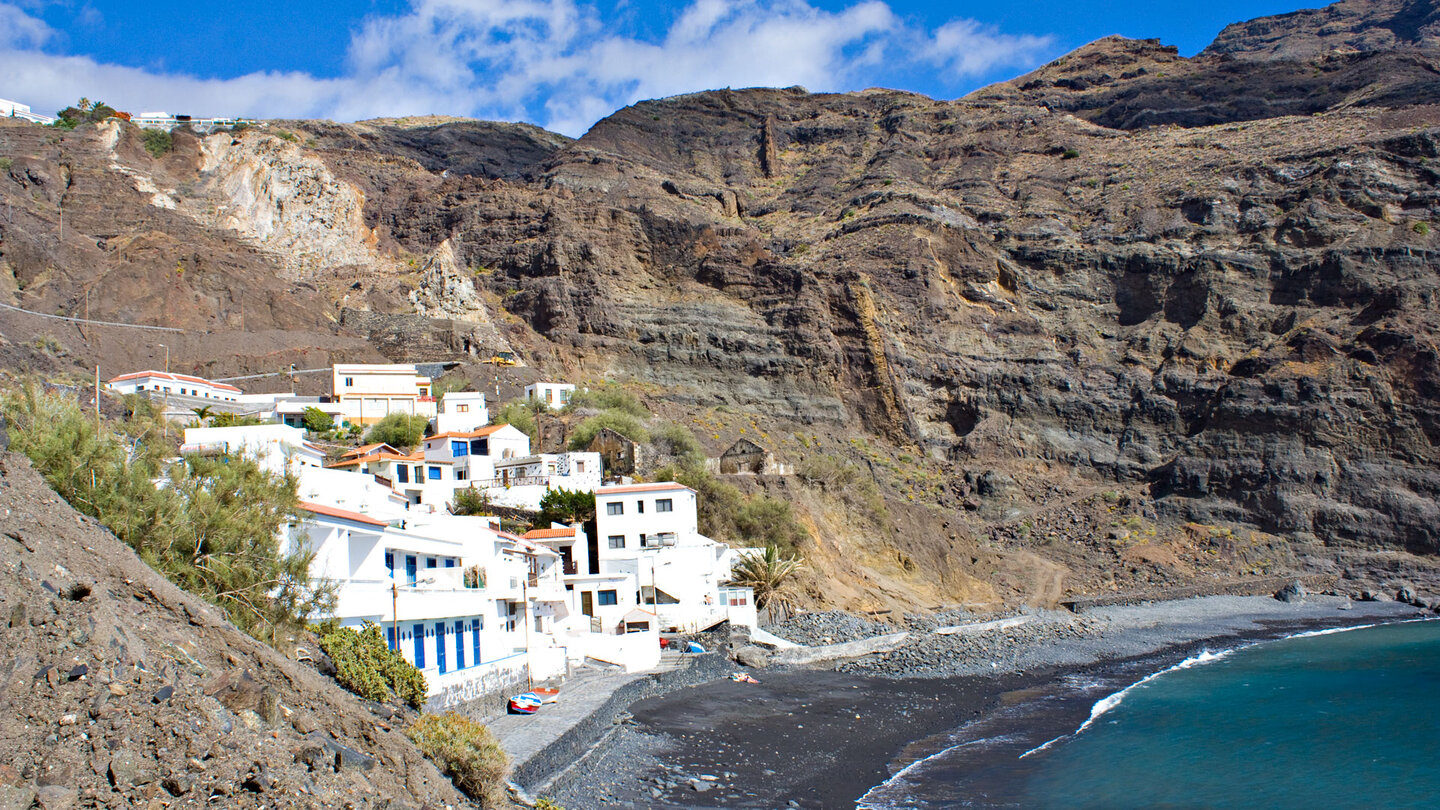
{"x": 97, "y": 400}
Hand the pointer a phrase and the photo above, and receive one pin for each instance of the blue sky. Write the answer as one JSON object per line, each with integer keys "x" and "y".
{"x": 562, "y": 64}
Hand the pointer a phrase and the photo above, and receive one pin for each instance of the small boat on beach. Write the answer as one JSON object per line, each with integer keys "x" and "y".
{"x": 525, "y": 703}
{"x": 547, "y": 694}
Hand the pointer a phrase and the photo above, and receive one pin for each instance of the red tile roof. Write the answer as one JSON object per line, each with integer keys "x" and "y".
{"x": 366, "y": 450}
{"x": 176, "y": 378}
{"x": 548, "y": 534}
{"x": 474, "y": 434}
{"x": 344, "y": 514}
{"x": 413, "y": 457}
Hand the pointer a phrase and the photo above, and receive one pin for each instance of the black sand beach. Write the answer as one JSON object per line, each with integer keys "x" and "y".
{"x": 822, "y": 739}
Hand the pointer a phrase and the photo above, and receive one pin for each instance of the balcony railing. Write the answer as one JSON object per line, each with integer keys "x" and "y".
{"x": 571, "y": 568}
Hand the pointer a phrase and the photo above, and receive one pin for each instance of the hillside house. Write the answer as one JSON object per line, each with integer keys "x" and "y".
{"x": 461, "y": 411}
{"x": 156, "y": 384}
{"x": 618, "y": 454}
{"x": 472, "y": 607}
{"x": 277, "y": 448}
{"x": 370, "y": 392}
{"x": 650, "y": 532}
{"x": 554, "y": 395}
{"x": 523, "y": 481}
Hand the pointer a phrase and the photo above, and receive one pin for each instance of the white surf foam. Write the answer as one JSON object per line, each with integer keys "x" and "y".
{"x": 1109, "y": 702}
{"x": 874, "y": 797}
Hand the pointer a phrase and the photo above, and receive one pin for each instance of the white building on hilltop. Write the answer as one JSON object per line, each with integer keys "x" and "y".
{"x": 522, "y": 481}
{"x": 14, "y": 109}
{"x": 370, "y": 392}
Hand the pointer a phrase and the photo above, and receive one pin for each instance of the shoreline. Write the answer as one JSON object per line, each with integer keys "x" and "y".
{"x": 826, "y": 738}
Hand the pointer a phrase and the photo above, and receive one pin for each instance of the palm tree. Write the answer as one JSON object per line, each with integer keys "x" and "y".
{"x": 769, "y": 575}
{"x": 203, "y": 413}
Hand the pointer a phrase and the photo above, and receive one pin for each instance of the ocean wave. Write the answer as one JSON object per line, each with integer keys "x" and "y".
{"x": 1108, "y": 703}
{"x": 874, "y": 798}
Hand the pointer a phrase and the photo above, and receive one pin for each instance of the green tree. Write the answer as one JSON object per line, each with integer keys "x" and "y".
{"x": 226, "y": 419}
{"x": 565, "y": 506}
{"x": 213, "y": 529}
{"x": 772, "y": 576}
{"x": 317, "y": 421}
{"x": 399, "y": 430}
{"x": 203, "y": 413}
{"x": 608, "y": 397}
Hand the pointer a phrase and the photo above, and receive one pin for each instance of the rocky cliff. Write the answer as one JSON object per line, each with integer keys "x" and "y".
{"x": 1128, "y": 320}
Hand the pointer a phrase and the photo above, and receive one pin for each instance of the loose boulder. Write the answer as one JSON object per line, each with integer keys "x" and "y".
{"x": 1293, "y": 591}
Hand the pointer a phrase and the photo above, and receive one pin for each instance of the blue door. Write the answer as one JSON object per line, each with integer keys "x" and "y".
{"x": 419, "y": 645}
{"x": 476, "y": 630}
{"x": 459, "y": 645}
{"x": 440, "y": 646}
{"x": 410, "y": 568}
{"x": 390, "y": 638}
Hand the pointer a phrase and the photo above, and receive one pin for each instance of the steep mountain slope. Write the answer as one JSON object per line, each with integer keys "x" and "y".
{"x": 117, "y": 688}
{"x": 1126, "y": 321}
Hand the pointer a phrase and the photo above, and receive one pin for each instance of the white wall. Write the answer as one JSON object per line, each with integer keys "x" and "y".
{"x": 461, "y": 412}
{"x": 277, "y": 448}
{"x": 555, "y": 395}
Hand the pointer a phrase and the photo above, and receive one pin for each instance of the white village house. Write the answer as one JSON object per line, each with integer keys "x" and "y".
{"x": 368, "y": 392}
{"x": 160, "y": 383}
{"x": 461, "y": 411}
{"x": 554, "y": 395}
{"x": 278, "y": 448}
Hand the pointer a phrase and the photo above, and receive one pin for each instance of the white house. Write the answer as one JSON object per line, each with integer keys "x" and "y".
{"x": 14, "y": 109}
{"x": 651, "y": 532}
{"x": 167, "y": 122}
{"x": 370, "y": 392}
{"x": 522, "y": 481}
{"x": 277, "y": 448}
{"x": 154, "y": 383}
{"x": 461, "y": 411}
{"x": 555, "y": 395}
{"x": 473, "y": 608}
{"x": 353, "y": 491}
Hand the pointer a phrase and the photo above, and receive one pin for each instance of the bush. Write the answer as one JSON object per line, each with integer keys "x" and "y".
{"x": 213, "y": 529}
{"x": 1421, "y": 228}
{"x": 398, "y": 430}
{"x": 317, "y": 421}
{"x": 766, "y": 521}
{"x": 519, "y": 415}
{"x": 678, "y": 442}
{"x": 465, "y": 751}
{"x": 619, "y": 421}
{"x": 226, "y": 419}
{"x": 609, "y": 397}
{"x": 1070, "y": 154}
{"x": 157, "y": 141}
{"x": 470, "y": 501}
{"x": 564, "y": 506}
{"x": 365, "y": 665}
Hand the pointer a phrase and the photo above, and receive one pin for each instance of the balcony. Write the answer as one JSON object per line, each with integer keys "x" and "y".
{"x": 571, "y": 568}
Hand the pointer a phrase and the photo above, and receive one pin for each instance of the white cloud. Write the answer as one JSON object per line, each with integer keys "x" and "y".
{"x": 554, "y": 62}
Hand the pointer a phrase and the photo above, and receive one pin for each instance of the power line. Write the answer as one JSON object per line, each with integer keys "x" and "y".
{"x": 86, "y": 320}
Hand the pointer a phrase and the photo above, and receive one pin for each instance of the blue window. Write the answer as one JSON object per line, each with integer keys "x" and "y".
{"x": 434, "y": 473}
{"x": 459, "y": 645}
{"x": 479, "y": 447}
{"x": 402, "y": 473}
{"x": 390, "y": 638}
{"x": 449, "y": 562}
{"x": 475, "y": 631}
{"x": 430, "y": 562}
{"x": 459, "y": 448}
{"x": 390, "y": 563}
{"x": 440, "y": 645}
{"x": 410, "y": 569}
{"x": 419, "y": 644}
{"x": 608, "y": 598}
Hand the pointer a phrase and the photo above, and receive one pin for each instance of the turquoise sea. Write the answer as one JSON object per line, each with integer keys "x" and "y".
{"x": 1330, "y": 719}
